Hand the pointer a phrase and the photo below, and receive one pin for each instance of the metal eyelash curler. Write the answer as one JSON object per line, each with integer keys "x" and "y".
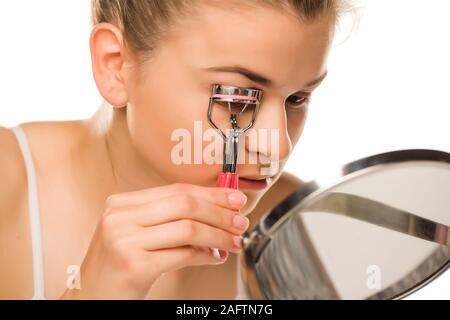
{"x": 229, "y": 178}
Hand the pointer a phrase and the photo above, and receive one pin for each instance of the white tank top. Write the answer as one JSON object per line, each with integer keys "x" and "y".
{"x": 35, "y": 224}
{"x": 34, "y": 214}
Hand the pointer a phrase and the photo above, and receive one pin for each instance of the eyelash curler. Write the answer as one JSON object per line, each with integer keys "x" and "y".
{"x": 229, "y": 178}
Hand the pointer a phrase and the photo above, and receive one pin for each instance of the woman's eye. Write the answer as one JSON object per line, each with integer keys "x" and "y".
{"x": 298, "y": 101}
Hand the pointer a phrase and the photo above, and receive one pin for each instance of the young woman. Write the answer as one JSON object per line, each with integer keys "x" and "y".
{"x": 104, "y": 193}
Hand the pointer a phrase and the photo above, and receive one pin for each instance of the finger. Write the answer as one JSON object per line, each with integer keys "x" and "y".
{"x": 172, "y": 259}
{"x": 175, "y": 208}
{"x": 224, "y": 197}
{"x": 186, "y": 232}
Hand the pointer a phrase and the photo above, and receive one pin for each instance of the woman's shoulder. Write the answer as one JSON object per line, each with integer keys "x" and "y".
{"x": 44, "y": 139}
{"x": 16, "y": 273}
{"x": 284, "y": 186}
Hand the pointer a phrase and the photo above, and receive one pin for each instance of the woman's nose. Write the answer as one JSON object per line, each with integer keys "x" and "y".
{"x": 269, "y": 136}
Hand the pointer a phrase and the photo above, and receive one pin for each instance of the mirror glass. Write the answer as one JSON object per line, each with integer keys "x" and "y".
{"x": 375, "y": 235}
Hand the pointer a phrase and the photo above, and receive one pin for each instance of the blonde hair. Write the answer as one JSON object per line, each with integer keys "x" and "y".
{"x": 145, "y": 22}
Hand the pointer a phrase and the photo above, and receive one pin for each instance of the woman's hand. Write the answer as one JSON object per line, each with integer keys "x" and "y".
{"x": 147, "y": 233}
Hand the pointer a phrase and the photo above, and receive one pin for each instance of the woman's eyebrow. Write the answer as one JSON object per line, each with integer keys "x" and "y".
{"x": 251, "y": 75}
{"x": 317, "y": 81}
{"x": 260, "y": 79}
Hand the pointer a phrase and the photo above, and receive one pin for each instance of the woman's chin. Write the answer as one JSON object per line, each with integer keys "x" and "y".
{"x": 253, "y": 198}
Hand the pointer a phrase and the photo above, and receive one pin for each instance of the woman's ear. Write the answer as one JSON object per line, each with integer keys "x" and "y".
{"x": 106, "y": 44}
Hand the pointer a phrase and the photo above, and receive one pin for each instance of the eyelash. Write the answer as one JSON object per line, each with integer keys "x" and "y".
{"x": 297, "y": 105}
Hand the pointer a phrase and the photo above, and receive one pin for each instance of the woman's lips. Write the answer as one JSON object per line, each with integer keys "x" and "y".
{"x": 251, "y": 184}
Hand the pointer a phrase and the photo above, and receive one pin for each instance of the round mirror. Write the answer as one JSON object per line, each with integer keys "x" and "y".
{"x": 380, "y": 232}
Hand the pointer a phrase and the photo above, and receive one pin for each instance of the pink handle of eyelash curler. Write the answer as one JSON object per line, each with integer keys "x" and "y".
{"x": 226, "y": 180}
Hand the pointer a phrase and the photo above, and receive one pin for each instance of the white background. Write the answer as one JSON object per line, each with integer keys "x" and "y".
{"x": 388, "y": 86}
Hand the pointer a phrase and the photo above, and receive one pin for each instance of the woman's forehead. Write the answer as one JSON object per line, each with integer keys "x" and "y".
{"x": 268, "y": 40}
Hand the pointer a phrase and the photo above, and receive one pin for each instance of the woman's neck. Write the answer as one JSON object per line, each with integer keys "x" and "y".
{"x": 111, "y": 147}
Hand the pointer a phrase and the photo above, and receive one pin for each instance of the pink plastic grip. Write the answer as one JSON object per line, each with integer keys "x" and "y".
{"x": 228, "y": 180}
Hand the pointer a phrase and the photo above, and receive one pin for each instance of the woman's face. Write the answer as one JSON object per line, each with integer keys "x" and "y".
{"x": 169, "y": 94}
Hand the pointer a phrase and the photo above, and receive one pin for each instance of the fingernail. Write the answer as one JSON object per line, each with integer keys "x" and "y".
{"x": 220, "y": 255}
{"x": 237, "y": 198}
{"x": 215, "y": 253}
{"x": 240, "y": 222}
{"x": 237, "y": 242}
{"x": 223, "y": 254}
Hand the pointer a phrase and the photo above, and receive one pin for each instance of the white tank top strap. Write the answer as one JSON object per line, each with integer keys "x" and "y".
{"x": 34, "y": 215}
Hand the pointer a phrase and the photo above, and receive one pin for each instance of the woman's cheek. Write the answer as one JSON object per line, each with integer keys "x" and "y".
{"x": 169, "y": 122}
{"x": 296, "y": 121}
